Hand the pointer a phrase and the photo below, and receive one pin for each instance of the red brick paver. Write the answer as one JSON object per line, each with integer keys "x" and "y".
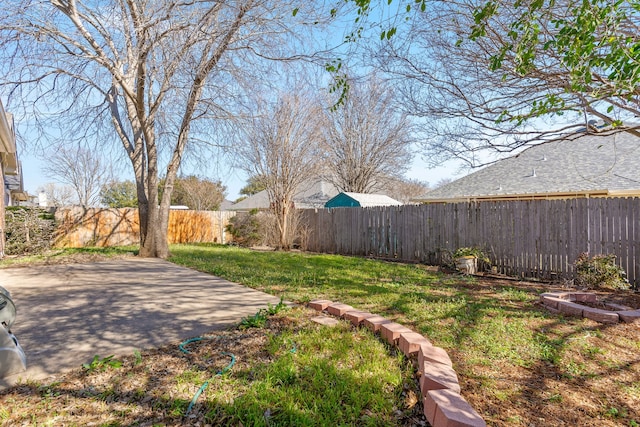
{"x": 584, "y": 297}
{"x": 550, "y": 301}
{"x": 570, "y": 308}
{"x": 357, "y": 317}
{"x": 432, "y": 354}
{"x": 445, "y": 408}
{"x": 599, "y": 315}
{"x": 437, "y": 376}
{"x": 629, "y": 316}
{"x": 320, "y": 304}
{"x": 391, "y": 332}
{"x": 410, "y": 342}
{"x": 374, "y": 323}
{"x": 338, "y": 309}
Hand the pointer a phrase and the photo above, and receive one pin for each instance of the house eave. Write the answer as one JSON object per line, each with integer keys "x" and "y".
{"x": 8, "y": 149}
{"x": 20, "y": 196}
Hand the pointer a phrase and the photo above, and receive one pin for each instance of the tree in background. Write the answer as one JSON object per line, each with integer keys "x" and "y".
{"x": 255, "y": 184}
{"x": 365, "y": 140}
{"x": 198, "y": 193}
{"x": 119, "y": 194}
{"x": 406, "y": 190}
{"x": 57, "y": 195}
{"x": 81, "y": 169}
{"x": 587, "y": 54}
{"x": 152, "y": 75}
{"x": 442, "y": 182}
{"x": 282, "y": 145}
{"x": 490, "y": 77}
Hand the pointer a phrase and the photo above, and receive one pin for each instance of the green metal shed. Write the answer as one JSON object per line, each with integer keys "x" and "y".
{"x": 360, "y": 200}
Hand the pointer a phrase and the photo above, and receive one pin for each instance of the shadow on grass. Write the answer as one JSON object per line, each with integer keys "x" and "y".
{"x": 572, "y": 381}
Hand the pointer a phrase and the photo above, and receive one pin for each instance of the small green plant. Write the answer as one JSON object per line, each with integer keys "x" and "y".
{"x": 98, "y": 364}
{"x": 471, "y": 251}
{"x": 599, "y": 271}
{"x": 259, "y": 319}
{"x": 138, "y": 356}
{"x": 613, "y": 412}
{"x": 275, "y": 309}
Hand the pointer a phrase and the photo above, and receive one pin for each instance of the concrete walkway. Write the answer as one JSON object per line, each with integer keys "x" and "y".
{"x": 66, "y": 314}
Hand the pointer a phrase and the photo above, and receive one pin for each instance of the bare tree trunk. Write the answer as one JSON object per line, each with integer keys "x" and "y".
{"x": 282, "y": 218}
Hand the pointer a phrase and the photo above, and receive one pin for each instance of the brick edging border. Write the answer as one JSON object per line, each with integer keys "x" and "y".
{"x": 443, "y": 405}
{"x": 568, "y": 303}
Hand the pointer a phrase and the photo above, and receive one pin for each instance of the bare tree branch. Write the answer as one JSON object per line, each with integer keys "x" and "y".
{"x": 366, "y": 140}
{"x": 282, "y": 146}
{"x": 473, "y": 95}
{"x": 152, "y": 75}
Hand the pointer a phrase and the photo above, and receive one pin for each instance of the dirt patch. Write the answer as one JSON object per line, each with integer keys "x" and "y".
{"x": 590, "y": 376}
{"x": 622, "y": 300}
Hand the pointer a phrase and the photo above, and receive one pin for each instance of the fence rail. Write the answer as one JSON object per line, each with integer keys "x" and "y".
{"x": 535, "y": 238}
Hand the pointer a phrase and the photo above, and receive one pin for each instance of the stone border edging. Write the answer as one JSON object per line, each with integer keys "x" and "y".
{"x": 443, "y": 405}
{"x": 568, "y": 303}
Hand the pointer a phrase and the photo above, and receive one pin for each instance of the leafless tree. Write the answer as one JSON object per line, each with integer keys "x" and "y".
{"x": 366, "y": 139}
{"x": 58, "y": 195}
{"x": 282, "y": 145}
{"x": 81, "y": 169}
{"x": 470, "y": 105}
{"x": 405, "y": 190}
{"x": 157, "y": 71}
{"x": 198, "y": 193}
{"x": 442, "y": 181}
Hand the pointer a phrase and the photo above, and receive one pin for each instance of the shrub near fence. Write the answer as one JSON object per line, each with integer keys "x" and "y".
{"x": 528, "y": 238}
{"x": 27, "y": 230}
{"x": 77, "y": 227}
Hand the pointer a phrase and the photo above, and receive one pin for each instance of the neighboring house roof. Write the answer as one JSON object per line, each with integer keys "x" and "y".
{"x": 311, "y": 195}
{"x": 259, "y": 200}
{"x": 587, "y": 165}
{"x": 348, "y": 200}
{"x": 226, "y": 205}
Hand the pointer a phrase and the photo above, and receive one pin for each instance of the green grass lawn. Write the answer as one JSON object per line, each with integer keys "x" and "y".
{"x": 449, "y": 310}
{"x": 518, "y": 364}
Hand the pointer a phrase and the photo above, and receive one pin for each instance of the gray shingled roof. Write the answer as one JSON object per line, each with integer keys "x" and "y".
{"x": 313, "y": 194}
{"x": 369, "y": 200}
{"x": 577, "y": 164}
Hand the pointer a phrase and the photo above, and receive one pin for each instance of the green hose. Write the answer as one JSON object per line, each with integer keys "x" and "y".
{"x": 226, "y": 369}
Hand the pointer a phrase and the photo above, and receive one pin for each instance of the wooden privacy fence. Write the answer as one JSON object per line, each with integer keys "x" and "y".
{"x": 77, "y": 227}
{"x": 532, "y": 238}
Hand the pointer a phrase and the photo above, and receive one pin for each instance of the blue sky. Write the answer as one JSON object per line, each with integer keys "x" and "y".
{"x": 233, "y": 179}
